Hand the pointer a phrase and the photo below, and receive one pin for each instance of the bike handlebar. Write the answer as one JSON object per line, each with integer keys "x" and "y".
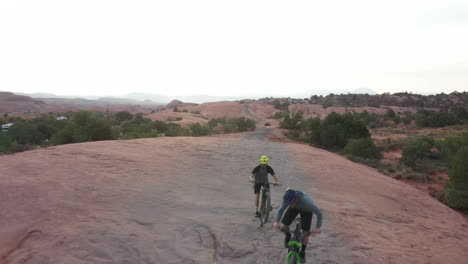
{"x": 274, "y": 184}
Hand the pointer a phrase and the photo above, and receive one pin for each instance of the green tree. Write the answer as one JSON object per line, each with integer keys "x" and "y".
{"x": 451, "y": 145}
{"x": 123, "y": 116}
{"x": 363, "y": 147}
{"x": 5, "y": 142}
{"x": 25, "y": 132}
{"x": 84, "y": 126}
{"x": 49, "y": 125}
{"x": 292, "y": 120}
{"x": 175, "y": 130}
{"x": 336, "y": 130}
{"x": 199, "y": 130}
{"x": 456, "y": 189}
{"x": 417, "y": 150}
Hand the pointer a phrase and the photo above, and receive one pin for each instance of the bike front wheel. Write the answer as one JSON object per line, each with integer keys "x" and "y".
{"x": 267, "y": 208}
{"x": 293, "y": 258}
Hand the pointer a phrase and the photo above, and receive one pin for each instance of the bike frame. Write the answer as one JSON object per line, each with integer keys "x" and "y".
{"x": 265, "y": 202}
{"x": 295, "y": 244}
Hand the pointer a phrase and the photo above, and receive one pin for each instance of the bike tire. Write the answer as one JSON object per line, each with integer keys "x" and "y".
{"x": 262, "y": 212}
{"x": 267, "y": 208}
{"x": 293, "y": 258}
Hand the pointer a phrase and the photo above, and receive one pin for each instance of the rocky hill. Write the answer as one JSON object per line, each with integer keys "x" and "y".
{"x": 188, "y": 200}
{"x": 439, "y": 101}
{"x": 10, "y": 102}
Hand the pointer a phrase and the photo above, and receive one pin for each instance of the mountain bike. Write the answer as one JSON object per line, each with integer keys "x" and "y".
{"x": 265, "y": 205}
{"x": 294, "y": 244}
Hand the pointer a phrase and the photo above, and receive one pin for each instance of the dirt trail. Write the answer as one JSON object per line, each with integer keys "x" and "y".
{"x": 248, "y": 113}
{"x": 188, "y": 200}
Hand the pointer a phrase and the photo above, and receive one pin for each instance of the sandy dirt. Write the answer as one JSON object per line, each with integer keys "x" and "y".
{"x": 188, "y": 200}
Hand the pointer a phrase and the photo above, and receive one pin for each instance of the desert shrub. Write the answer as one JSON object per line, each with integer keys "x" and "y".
{"x": 417, "y": 150}
{"x": 49, "y": 125}
{"x": 366, "y": 118}
{"x": 243, "y": 124}
{"x": 232, "y": 125}
{"x": 84, "y": 126}
{"x": 176, "y": 109}
{"x": 267, "y": 124}
{"x": 363, "y": 147}
{"x": 123, "y": 116}
{"x": 292, "y": 120}
{"x": 195, "y": 112}
{"x": 426, "y": 118}
{"x": 160, "y": 126}
{"x": 278, "y": 115}
{"x": 175, "y": 130}
{"x": 310, "y": 124}
{"x": 139, "y": 128}
{"x": 456, "y": 189}
{"x": 185, "y": 111}
{"x": 451, "y": 145}
{"x": 25, "y": 132}
{"x": 5, "y": 142}
{"x": 178, "y": 118}
{"x": 281, "y": 106}
{"x": 461, "y": 114}
{"x": 199, "y": 130}
{"x": 335, "y": 131}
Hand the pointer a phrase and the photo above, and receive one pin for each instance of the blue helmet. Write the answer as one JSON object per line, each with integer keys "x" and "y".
{"x": 289, "y": 196}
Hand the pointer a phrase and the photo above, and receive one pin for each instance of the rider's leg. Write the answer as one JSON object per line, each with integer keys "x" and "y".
{"x": 288, "y": 217}
{"x": 257, "y": 200}
{"x": 257, "y": 196}
{"x": 306, "y": 220}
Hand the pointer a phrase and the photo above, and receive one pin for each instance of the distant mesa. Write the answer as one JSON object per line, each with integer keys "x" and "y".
{"x": 177, "y": 103}
{"x": 10, "y": 102}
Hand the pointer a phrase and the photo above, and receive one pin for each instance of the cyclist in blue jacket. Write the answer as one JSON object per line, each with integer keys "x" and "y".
{"x": 296, "y": 202}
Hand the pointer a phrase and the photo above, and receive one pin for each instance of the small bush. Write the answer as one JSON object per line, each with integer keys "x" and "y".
{"x": 417, "y": 150}
{"x": 456, "y": 190}
{"x": 267, "y": 124}
{"x": 451, "y": 145}
{"x": 5, "y": 142}
{"x": 175, "y": 130}
{"x": 363, "y": 147}
{"x": 123, "y": 116}
{"x": 199, "y": 130}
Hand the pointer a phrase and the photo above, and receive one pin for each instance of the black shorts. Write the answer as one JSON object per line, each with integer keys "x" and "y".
{"x": 290, "y": 215}
{"x": 258, "y": 185}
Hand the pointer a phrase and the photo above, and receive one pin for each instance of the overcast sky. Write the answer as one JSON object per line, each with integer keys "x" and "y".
{"x": 176, "y": 47}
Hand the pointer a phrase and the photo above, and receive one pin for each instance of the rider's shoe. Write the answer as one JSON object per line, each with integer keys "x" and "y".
{"x": 287, "y": 237}
{"x": 303, "y": 257}
{"x": 257, "y": 214}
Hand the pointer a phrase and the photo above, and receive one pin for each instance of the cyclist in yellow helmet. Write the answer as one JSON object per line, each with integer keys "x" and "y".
{"x": 260, "y": 177}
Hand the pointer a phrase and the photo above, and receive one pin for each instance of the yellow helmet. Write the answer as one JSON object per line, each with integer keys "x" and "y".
{"x": 264, "y": 160}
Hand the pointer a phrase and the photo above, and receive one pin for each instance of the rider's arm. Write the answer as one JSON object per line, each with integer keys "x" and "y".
{"x": 254, "y": 171}
{"x": 272, "y": 172}
{"x": 307, "y": 204}
{"x": 317, "y": 211}
{"x": 280, "y": 212}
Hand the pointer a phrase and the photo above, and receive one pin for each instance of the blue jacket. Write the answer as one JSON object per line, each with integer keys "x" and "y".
{"x": 305, "y": 204}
